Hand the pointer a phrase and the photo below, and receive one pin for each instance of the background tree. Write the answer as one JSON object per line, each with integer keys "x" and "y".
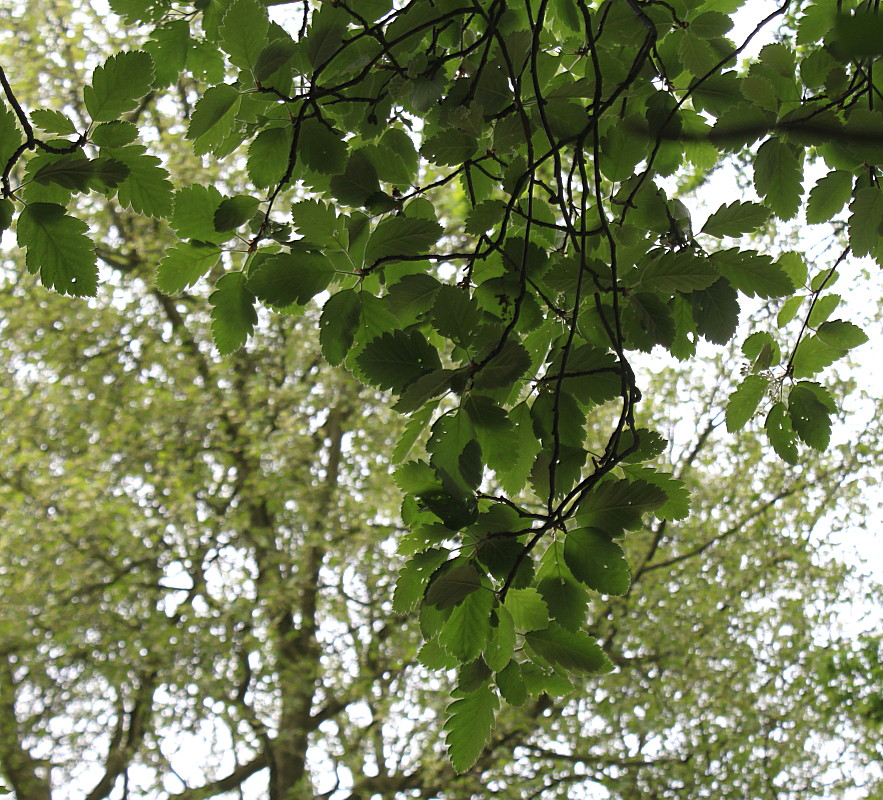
{"x": 213, "y": 557}
{"x": 175, "y": 641}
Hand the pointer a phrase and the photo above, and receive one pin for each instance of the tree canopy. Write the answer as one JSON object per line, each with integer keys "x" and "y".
{"x": 484, "y": 208}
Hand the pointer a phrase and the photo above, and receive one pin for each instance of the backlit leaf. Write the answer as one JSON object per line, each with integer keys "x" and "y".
{"x": 413, "y": 578}
{"x": 469, "y": 726}
{"x": 597, "y": 561}
{"x": 778, "y": 176}
{"x": 293, "y": 277}
{"x": 59, "y": 249}
{"x": 244, "y": 32}
{"x": 617, "y": 505}
{"x": 828, "y": 196}
{"x": 528, "y": 609}
{"x": 184, "y": 264}
{"x": 233, "y": 312}
{"x": 118, "y": 84}
{"x": 401, "y": 236}
{"x": 744, "y": 401}
{"x": 396, "y": 358}
{"x": 810, "y": 418}
{"x": 465, "y": 633}
{"x": 571, "y": 650}
{"x": 736, "y": 218}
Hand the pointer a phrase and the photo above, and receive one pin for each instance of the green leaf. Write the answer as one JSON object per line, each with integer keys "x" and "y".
{"x": 413, "y": 578}
{"x": 485, "y": 216}
{"x": 504, "y": 368}
{"x": 135, "y": 11}
{"x": 184, "y": 264}
{"x": 293, "y": 277}
{"x": 426, "y": 387}
{"x": 472, "y": 675}
{"x": 711, "y": 24}
{"x": 79, "y": 174}
{"x": 761, "y": 350}
{"x": 59, "y": 249}
{"x": 213, "y": 118}
{"x": 47, "y": 120}
{"x": 718, "y": 93}
{"x": 413, "y": 295}
{"x": 451, "y": 586}
{"x": 118, "y": 84}
{"x": 235, "y": 211}
{"x": 597, "y": 561}
{"x": 570, "y": 650}
{"x": 716, "y": 312}
{"x": 514, "y": 470}
{"x": 455, "y": 452}
{"x": 501, "y": 644}
{"x": 469, "y": 726}
{"x": 744, "y": 401}
{"x": 194, "y": 216}
{"x": 233, "y": 313}
{"x": 677, "y": 272}
{"x": 168, "y": 47}
{"x": 828, "y": 196}
{"x": 114, "y": 134}
{"x": 396, "y": 358}
{"x": 528, "y": 609}
{"x": 338, "y": 324}
{"x": 840, "y": 334}
{"x": 736, "y": 218}
{"x": 433, "y": 656}
{"x": 273, "y": 57}
{"x": 455, "y": 511}
{"x": 795, "y": 267}
{"x": 866, "y": 220}
{"x": 413, "y": 430}
{"x": 450, "y": 148}
{"x": 812, "y": 356}
{"x": 511, "y": 684}
{"x": 318, "y": 222}
{"x": 816, "y": 67}
{"x": 761, "y": 91}
{"x": 147, "y": 190}
{"x": 401, "y": 236}
{"x": 753, "y": 274}
{"x": 822, "y": 309}
{"x": 649, "y": 322}
{"x": 859, "y": 34}
{"x": 244, "y": 32}
{"x": 455, "y": 315}
{"x": 781, "y": 433}
{"x": 486, "y": 415}
{"x": 566, "y": 599}
{"x": 789, "y": 310}
{"x": 677, "y": 506}
{"x": 778, "y": 176}
{"x": 358, "y": 184}
{"x": 809, "y": 416}
{"x": 321, "y": 148}
{"x": 621, "y": 154}
{"x": 465, "y": 633}
{"x": 7, "y": 210}
{"x": 268, "y": 156}
{"x": 696, "y": 53}
{"x": 107, "y": 173}
{"x": 400, "y": 161}
{"x": 325, "y": 36}
{"x": 617, "y": 505}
